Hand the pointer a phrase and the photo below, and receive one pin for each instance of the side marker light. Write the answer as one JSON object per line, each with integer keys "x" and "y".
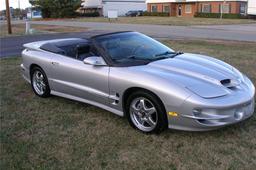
{"x": 175, "y": 114}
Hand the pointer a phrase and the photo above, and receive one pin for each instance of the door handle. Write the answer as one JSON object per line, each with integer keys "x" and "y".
{"x": 55, "y": 63}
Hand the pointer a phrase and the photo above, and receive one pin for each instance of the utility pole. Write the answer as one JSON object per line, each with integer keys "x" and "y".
{"x": 8, "y": 17}
{"x": 221, "y": 9}
{"x": 221, "y": 6}
{"x": 19, "y": 9}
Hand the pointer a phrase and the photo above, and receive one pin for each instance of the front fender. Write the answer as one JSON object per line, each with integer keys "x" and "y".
{"x": 170, "y": 92}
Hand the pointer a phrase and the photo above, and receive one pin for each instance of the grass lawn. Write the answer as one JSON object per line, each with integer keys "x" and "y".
{"x": 57, "y": 133}
{"x": 19, "y": 29}
{"x": 180, "y": 21}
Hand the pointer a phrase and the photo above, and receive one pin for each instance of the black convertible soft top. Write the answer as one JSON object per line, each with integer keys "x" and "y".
{"x": 63, "y": 46}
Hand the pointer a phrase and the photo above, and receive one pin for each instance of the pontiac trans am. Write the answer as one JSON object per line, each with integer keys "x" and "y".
{"x": 133, "y": 75}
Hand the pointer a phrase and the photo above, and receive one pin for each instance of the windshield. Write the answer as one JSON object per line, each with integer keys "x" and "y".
{"x": 132, "y": 46}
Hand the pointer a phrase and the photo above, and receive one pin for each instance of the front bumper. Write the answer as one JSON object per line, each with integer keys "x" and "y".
{"x": 199, "y": 114}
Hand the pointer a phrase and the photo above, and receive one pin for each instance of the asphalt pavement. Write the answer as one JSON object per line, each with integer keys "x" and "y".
{"x": 242, "y": 32}
{"x": 12, "y": 46}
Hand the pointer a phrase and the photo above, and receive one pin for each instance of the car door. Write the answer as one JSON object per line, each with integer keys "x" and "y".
{"x": 73, "y": 77}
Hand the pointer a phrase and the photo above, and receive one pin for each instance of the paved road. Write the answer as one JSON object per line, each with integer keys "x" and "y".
{"x": 12, "y": 46}
{"x": 246, "y": 32}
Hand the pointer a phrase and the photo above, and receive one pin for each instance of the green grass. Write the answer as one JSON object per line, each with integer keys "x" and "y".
{"x": 19, "y": 29}
{"x": 57, "y": 133}
{"x": 179, "y": 21}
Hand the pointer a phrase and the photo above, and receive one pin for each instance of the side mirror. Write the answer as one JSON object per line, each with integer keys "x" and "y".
{"x": 95, "y": 61}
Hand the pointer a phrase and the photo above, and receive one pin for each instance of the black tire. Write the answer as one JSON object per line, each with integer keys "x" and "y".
{"x": 161, "y": 123}
{"x": 47, "y": 90}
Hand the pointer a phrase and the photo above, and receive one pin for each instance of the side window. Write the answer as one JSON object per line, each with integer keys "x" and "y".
{"x": 225, "y": 8}
{"x": 70, "y": 50}
{"x": 166, "y": 8}
{"x": 153, "y": 8}
{"x": 84, "y": 51}
{"x": 243, "y": 8}
{"x": 206, "y": 8}
{"x": 188, "y": 8}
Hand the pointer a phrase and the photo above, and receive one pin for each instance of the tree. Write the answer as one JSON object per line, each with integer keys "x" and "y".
{"x": 57, "y": 8}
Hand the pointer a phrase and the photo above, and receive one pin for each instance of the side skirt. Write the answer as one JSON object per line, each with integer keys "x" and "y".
{"x": 27, "y": 79}
{"x": 117, "y": 112}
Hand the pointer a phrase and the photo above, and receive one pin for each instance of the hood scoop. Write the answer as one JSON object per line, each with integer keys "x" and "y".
{"x": 225, "y": 82}
{"x": 230, "y": 83}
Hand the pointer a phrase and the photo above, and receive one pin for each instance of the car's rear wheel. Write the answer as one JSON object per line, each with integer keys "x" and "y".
{"x": 39, "y": 82}
{"x": 145, "y": 112}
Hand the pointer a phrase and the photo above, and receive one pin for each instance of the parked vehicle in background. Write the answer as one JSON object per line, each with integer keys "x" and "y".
{"x": 2, "y": 17}
{"x": 134, "y": 13}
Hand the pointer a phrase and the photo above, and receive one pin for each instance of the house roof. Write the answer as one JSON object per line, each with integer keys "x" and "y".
{"x": 165, "y": 1}
{"x": 98, "y": 3}
{"x": 123, "y": 0}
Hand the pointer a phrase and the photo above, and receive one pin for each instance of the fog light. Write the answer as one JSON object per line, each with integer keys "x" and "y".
{"x": 197, "y": 112}
{"x": 238, "y": 115}
{"x": 175, "y": 114}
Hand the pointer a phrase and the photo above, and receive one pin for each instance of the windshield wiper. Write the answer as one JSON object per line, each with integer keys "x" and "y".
{"x": 129, "y": 57}
{"x": 173, "y": 54}
{"x": 177, "y": 53}
{"x": 165, "y": 53}
{"x": 135, "y": 58}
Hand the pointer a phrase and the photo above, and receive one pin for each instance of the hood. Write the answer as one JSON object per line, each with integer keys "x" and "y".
{"x": 205, "y": 76}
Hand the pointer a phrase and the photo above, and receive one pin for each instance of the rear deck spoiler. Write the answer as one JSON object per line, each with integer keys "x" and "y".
{"x": 36, "y": 45}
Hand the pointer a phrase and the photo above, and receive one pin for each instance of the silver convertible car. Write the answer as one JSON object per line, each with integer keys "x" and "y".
{"x": 133, "y": 75}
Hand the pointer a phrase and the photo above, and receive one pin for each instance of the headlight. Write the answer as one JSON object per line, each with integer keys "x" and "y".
{"x": 208, "y": 91}
{"x": 240, "y": 76}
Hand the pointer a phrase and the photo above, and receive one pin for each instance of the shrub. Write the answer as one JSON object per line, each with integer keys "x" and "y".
{"x": 217, "y": 15}
{"x": 57, "y": 8}
{"x": 160, "y": 14}
{"x": 89, "y": 14}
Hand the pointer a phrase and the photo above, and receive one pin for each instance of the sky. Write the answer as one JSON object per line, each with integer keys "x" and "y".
{"x": 15, "y": 4}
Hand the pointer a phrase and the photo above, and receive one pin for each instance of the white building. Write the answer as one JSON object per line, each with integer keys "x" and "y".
{"x": 92, "y": 3}
{"x": 251, "y": 7}
{"x": 121, "y": 6}
{"x": 89, "y": 6}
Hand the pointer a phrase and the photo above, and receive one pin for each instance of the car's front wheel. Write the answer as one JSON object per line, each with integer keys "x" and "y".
{"x": 39, "y": 82}
{"x": 146, "y": 113}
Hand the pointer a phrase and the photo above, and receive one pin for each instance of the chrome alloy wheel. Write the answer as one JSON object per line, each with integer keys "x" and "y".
{"x": 143, "y": 114}
{"x": 38, "y": 82}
